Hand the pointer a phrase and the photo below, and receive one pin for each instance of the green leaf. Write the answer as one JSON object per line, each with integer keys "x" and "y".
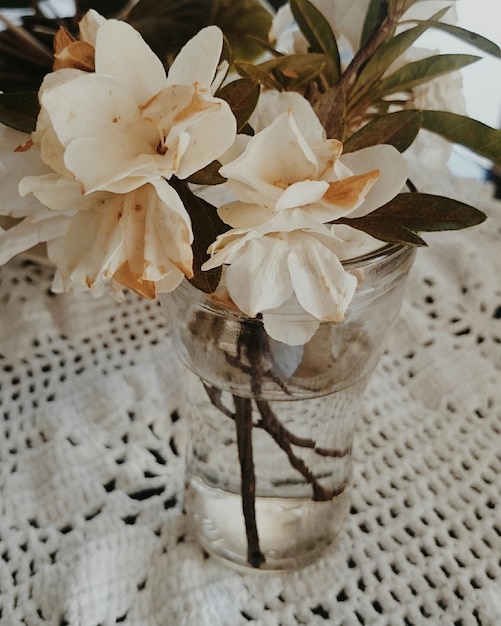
{"x": 167, "y": 25}
{"x": 397, "y": 129}
{"x": 257, "y": 74}
{"x": 287, "y": 73}
{"x": 387, "y": 54}
{"x": 242, "y": 22}
{"x": 377, "y": 12}
{"x": 422, "y": 71}
{"x": 474, "y": 135}
{"x": 242, "y": 95}
{"x": 206, "y": 225}
{"x": 319, "y": 35}
{"x": 473, "y": 39}
{"x": 209, "y": 175}
{"x": 330, "y": 108}
{"x": 399, "y": 220}
{"x": 19, "y": 110}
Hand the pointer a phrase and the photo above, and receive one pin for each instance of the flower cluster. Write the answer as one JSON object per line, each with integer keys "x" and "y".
{"x": 307, "y": 145}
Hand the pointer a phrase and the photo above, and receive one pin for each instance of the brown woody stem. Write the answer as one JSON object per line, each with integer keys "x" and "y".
{"x": 243, "y": 422}
{"x": 275, "y": 429}
{"x": 251, "y": 350}
{"x": 366, "y": 51}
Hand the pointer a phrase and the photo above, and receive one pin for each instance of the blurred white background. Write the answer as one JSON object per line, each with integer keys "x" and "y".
{"x": 482, "y": 80}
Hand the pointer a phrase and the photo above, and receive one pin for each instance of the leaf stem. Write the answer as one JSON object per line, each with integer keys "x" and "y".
{"x": 369, "y": 49}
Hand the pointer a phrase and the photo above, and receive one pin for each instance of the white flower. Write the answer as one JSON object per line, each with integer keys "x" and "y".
{"x": 128, "y": 124}
{"x": 110, "y": 139}
{"x": 290, "y": 164}
{"x": 289, "y": 260}
{"x": 30, "y": 222}
{"x": 290, "y": 182}
{"x": 141, "y": 239}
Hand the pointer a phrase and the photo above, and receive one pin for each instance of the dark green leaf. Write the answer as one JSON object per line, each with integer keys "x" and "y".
{"x": 482, "y": 43}
{"x": 242, "y": 22}
{"x": 397, "y": 129}
{"x": 319, "y": 35}
{"x": 242, "y": 95}
{"x": 257, "y": 74}
{"x": 474, "y": 135}
{"x": 206, "y": 225}
{"x": 267, "y": 47}
{"x": 376, "y": 14}
{"x": 330, "y": 109}
{"x": 168, "y": 25}
{"x": 419, "y": 72}
{"x": 287, "y": 73}
{"x": 386, "y": 230}
{"x": 402, "y": 218}
{"x": 209, "y": 175}
{"x": 19, "y": 110}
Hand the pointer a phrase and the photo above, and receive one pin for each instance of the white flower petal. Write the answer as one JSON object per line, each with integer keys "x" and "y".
{"x": 89, "y": 25}
{"x": 302, "y": 193}
{"x": 207, "y": 124}
{"x": 30, "y": 232}
{"x": 272, "y": 104}
{"x": 121, "y": 169}
{"x": 167, "y": 236}
{"x": 198, "y": 60}
{"x": 209, "y": 138}
{"x": 352, "y": 243}
{"x": 169, "y": 197}
{"x": 393, "y": 169}
{"x": 287, "y": 329}
{"x": 255, "y": 286}
{"x": 92, "y": 249}
{"x": 170, "y": 281}
{"x": 289, "y": 221}
{"x": 244, "y": 215}
{"x": 122, "y": 54}
{"x": 15, "y": 166}
{"x": 226, "y": 247}
{"x": 274, "y": 158}
{"x": 92, "y": 105}
{"x": 346, "y": 17}
{"x": 59, "y": 194}
{"x": 235, "y": 150}
{"x": 322, "y": 286}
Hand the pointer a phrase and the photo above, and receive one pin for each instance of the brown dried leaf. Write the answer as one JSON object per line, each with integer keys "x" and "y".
{"x": 62, "y": 39}
{"x": 77, "y": 55}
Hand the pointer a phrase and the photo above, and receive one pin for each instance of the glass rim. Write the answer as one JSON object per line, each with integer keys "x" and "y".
{"x": 385, "y": 251}
{"x": 207, "y": 300}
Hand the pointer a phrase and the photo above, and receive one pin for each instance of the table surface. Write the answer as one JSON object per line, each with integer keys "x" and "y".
{"x": 92, "y": 528}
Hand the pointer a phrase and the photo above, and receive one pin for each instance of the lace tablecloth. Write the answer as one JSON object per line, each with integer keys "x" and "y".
{"x": 92, "y": 529}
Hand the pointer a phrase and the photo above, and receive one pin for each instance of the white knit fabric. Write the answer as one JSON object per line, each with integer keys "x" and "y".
{"x": 92, "y": 529}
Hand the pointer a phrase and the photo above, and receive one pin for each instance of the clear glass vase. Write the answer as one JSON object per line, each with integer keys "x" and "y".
{"x": 269, "y": 466}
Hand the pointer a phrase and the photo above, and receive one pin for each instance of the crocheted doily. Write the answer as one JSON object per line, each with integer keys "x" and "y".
{"x": 92, "y": 529}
